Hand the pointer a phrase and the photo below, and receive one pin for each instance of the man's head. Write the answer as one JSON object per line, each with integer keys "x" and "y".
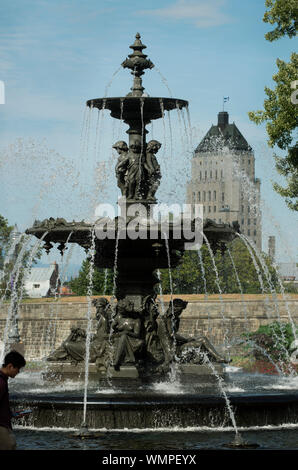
{"x": 13, "y": 362}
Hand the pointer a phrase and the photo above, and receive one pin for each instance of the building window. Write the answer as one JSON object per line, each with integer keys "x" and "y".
{"x": 242, "y": 209}
{"x": 204, "y": 209}
{"x": 222, "y": 197}
{"x": 214, "y": 208}
{"x": 216, "y": 174}
{"x": 36, "y": 286}
{"x": 249, "y": 162}
{"x": 248, "y": 209}
{"x": 255, "y": 221}
{"x": 209, "y": 195}
{"x": 210, "y": 174}
{"x": 199, "y": 196}
{"x": 221, "y": 173}
{"x": 242, "y": 221}
{"x": 200, "y": 175}
{"x": 220, "y": 221}
{"x": 214, "y": 195}
{"x": 205, "y": 175}
{"x": 248, "y": 232}
{"x": 204, "y": 196}
{"x": 248, "y": 221}
{"x": 255, "y": 232}
{"x": 209, "y": 209}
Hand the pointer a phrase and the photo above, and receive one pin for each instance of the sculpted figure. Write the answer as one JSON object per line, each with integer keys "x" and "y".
{"x": 74, "y": 347}
{"x": 153, "y": 346}
{"x": 175, "y": 344}
{"x": 152, "y": 167}
{"x": 127, "y": 334}
{"x": 122, "y": 164}
{"x": 134, "y": 171}
{"x": 99, "y": 341}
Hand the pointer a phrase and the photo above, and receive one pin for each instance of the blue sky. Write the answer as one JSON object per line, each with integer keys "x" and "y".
{"x": 54, "y": 55}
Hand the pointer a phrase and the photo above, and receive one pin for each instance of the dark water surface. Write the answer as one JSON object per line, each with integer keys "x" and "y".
{"x": 267, "y": 438}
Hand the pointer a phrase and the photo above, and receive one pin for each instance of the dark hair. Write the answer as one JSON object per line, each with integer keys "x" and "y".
{"x": 14, "y": 358}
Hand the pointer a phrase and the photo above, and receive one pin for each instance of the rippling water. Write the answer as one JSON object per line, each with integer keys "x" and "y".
{"x": 204, "y": 438}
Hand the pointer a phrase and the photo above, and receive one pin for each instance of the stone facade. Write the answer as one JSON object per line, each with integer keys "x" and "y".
{"x": 223, "y": 179}
{"x": 43, "y": 326}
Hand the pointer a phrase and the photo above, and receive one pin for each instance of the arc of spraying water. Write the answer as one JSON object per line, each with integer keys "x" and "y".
{"x": 222, "y": 309}
{"x": 89, "y": 322}
{"x": 247, "y": 244}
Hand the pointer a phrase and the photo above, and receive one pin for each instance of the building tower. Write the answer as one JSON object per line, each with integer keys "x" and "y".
{"x": 223, "y": 179}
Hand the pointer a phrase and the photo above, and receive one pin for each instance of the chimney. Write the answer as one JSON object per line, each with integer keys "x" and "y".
{"x": 223, "y": 118}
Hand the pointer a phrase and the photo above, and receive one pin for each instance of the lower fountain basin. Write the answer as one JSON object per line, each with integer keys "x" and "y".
{"x": 131, "y": 411}
{"x": 255, "y": 399}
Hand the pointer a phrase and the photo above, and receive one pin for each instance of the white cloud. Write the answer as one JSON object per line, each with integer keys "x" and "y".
{"x": 202, "y": 13}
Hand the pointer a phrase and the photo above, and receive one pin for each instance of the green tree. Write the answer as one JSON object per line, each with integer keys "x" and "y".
{"x": 5, "y": 231}
{"x": 188, "y": 277}
{"x": 102, "y": 282}
{"x": 280, "y": 109}
{"x": 283, "y": 13}
{"x": 7, "y": 263}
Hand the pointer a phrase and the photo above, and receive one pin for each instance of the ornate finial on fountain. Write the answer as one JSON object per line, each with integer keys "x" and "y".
{"x": 137, "y": 62}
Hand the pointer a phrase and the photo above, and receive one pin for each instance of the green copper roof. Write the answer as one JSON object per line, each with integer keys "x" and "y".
{"x": 224, "y": 135}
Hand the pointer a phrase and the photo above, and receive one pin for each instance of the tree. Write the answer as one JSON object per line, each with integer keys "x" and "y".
{"x": 284, "y": 13}
{"x": 188, "y": 277}
{"x": 11, "y": 278}
{"x": 5, "y": 231}
{"x": 102, "y": 281}
{"x": 280, "y": 107}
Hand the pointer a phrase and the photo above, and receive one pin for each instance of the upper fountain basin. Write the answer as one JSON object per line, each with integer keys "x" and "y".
{"x": 135, "y": 108}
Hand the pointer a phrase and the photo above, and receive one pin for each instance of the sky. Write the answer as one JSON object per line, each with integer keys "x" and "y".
{"x": 55, "y": 55}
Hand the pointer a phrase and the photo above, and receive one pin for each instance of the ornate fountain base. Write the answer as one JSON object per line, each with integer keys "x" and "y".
{"x": 186, "y": 373}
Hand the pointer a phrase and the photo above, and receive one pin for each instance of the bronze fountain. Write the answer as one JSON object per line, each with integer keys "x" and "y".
{"x": 133, "y": 339}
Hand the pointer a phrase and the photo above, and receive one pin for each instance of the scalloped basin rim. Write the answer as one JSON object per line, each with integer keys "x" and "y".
{"x": 126, "y": 107}
{"x": 137, "y": 99}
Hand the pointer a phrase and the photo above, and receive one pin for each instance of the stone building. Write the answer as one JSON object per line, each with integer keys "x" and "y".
{"x": 223, "y": 179}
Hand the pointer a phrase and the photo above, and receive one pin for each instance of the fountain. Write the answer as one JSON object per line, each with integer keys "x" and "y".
{"x": 135, "y": 346}
{"x": 129, "y": 343}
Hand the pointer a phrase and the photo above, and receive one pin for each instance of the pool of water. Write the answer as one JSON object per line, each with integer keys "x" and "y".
{"x": 280, "y": 438}
{"x": 237, "y": 382}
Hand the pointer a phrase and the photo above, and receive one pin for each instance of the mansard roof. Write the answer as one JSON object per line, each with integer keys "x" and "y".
{"x": 223, "y": 135}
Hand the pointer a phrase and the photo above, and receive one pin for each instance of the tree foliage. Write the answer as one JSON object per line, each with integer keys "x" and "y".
{"x": 284, "y": 14}
{"x": 10, "y": 277}
{"x": 280, "y": 109}
{"x": 190, "y": 277}
{"x": 5, "y": 231}
{"x": 102, "y": 280}
{"x": 275, "y": 339}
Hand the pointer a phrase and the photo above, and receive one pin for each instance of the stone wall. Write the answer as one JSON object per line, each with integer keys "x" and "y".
{"x": 44, "y": 325}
